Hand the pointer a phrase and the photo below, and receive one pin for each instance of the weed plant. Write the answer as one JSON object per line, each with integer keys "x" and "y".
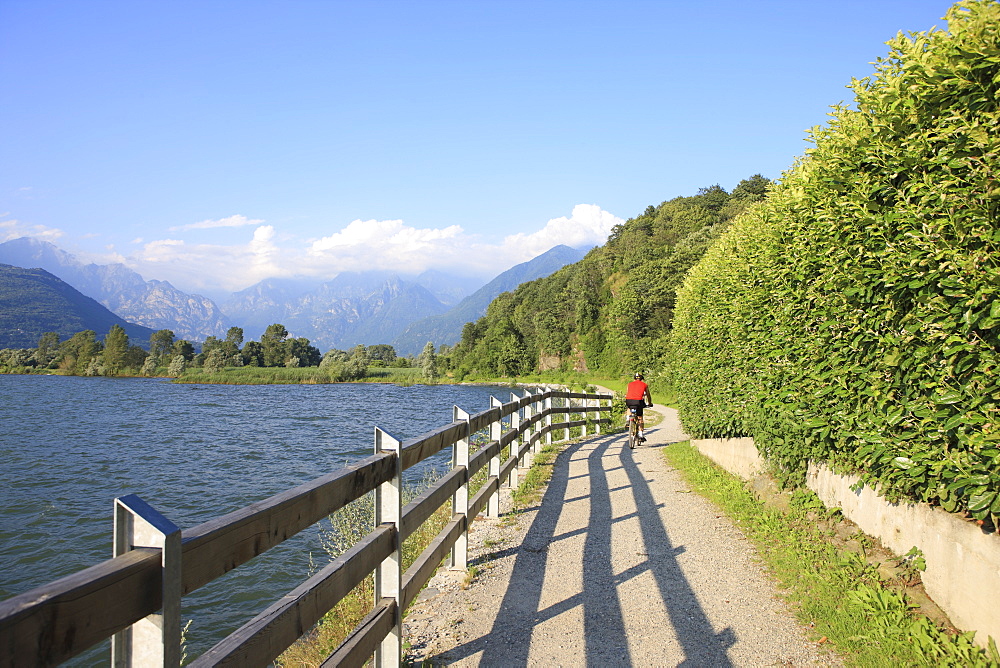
{"x": 343, "y": 530}
{"x": 833, "y": 590}
{"x": 537, "y": 476}
{"x": 351, "y": 523}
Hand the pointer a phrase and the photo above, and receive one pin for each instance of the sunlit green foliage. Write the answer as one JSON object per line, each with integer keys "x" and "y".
{"x": 853, "y": 315}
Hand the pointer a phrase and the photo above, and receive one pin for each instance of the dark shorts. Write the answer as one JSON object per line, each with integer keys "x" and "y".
{"x": 638, "y": 404}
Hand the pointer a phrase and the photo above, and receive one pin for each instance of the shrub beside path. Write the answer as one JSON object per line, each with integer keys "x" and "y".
{"x": 618, "y": 565}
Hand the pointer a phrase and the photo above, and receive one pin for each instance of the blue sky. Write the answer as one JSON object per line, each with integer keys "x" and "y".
{"x": 217, "y": 143}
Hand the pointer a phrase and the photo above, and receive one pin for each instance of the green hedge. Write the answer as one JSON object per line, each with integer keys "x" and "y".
{"x": 853, "y": 316}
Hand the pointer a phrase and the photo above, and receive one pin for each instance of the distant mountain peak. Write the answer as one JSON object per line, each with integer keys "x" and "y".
{"x": 155, "y": 304}
{"x": 446, "y": 328}
{"x": 352, "y": 307}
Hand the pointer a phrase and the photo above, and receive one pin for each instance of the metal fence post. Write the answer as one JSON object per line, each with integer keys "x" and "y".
{"x": 460, "y": 501}
{"x": 389, "y": 573}
{"x": 496, "y": 432}
{"x": 156, "y": 639}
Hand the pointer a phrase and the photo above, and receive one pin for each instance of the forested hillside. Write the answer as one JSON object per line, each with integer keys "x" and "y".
{"x": 611, "y": 311}
{"x": 33, "y": 302}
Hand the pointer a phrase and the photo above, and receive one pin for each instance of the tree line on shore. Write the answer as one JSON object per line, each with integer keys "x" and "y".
{"x": 84, "y": 354}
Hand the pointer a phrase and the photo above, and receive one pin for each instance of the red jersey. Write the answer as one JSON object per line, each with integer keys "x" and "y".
{"x": 636, "y": 390}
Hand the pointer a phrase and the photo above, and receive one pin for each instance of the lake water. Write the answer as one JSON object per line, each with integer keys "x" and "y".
{"x": 69, "y": 446}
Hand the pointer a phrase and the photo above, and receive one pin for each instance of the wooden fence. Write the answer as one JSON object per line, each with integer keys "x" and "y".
{"x": 134, "y": 598}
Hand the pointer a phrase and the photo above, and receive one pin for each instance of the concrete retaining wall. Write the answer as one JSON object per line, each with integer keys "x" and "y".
{"x": 737, "y": 455}
{"x": 963, "y": 563}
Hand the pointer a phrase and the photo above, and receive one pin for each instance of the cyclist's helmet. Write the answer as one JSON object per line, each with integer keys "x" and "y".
{"x": 638, "y": 376}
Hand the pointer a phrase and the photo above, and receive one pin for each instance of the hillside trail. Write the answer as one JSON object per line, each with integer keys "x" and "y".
{"x": 618, "y": 565}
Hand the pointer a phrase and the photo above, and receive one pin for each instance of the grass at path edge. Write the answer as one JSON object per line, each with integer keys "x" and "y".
{"x": 835, "y": 591}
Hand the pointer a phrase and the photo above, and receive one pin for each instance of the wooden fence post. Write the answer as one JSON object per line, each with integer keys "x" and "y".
{"x": 597, "y": 416}
{"x": 567, "y": 416}
{"x": 515, "y": 445}
{"x": 460, "y": 501}
{"x": 548, "y": 417}
{"x": 389, "y": 573}
{"x": 496, "y": 432}
{"x": 156, "y": 639}
{"x": 529, "y": 414}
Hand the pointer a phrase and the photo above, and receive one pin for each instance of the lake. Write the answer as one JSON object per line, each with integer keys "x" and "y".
{"x": 69, "y": 446}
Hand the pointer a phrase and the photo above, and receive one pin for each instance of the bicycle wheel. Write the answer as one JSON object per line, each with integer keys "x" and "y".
{"x": 633, "y": 433}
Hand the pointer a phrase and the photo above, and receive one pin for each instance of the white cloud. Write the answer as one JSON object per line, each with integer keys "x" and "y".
{"x": 231, "y": 221}
{"x": 361, "y": 245}
{"x": 393, "y": 233}
{"x": 13, "y": 229}
{"x": 213, "y": 267}
{"x": 390, "y": 245}
{"x": 588, "y": 225}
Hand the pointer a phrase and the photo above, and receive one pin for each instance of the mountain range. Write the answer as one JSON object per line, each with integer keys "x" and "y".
{"x": 153, "y": 304}
{"x": 350, "y": 309}
{"x": 446, "y": 328}
{"x": 353, "y": 308}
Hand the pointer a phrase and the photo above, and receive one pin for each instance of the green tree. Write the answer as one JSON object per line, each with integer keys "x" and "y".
{"x": 177, "y": 365}
{"x": 161, "y": 342}
{"x": 16, "y": 358}
{"x": 184, "y": 348}
{"x": 334, "y": 356}
{"x": 77, "y": 352}
{"x": 210, "y": 344}
{"x": 382, "y": 352}
{"x": 215, "y": 360}
{"x": 356, "y": 366}
{"x": 273, "y": 341}
{"x": 253, "y": 354}
{"x": 148, "y": 366}
{"x": 135, "y": 358}
{"x": 427, "y": 361}
{"x": 752, "y": 189}
{"x": 234, "y": 335}
{"x": 115, "y": 349}
{"x": 231, "y": 346}
{"x": 299, "y": 349}
{"x": 47, "y": 350}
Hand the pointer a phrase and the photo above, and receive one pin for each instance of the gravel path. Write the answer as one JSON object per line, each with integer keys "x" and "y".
{"x": 619, "y": 565}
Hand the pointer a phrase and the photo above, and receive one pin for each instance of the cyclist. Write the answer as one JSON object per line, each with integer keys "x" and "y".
{"x": 637, "y": 396}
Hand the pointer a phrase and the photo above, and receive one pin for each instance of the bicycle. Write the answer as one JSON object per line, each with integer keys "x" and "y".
{"x": 633, "y": 427}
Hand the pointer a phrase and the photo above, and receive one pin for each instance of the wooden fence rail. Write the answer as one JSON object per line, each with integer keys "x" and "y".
{"x": 134, "y": 597}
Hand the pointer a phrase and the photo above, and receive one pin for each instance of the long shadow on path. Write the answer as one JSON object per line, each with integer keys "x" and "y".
{"x": 605, "y": 636}
{"x": 701, "y": 645}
